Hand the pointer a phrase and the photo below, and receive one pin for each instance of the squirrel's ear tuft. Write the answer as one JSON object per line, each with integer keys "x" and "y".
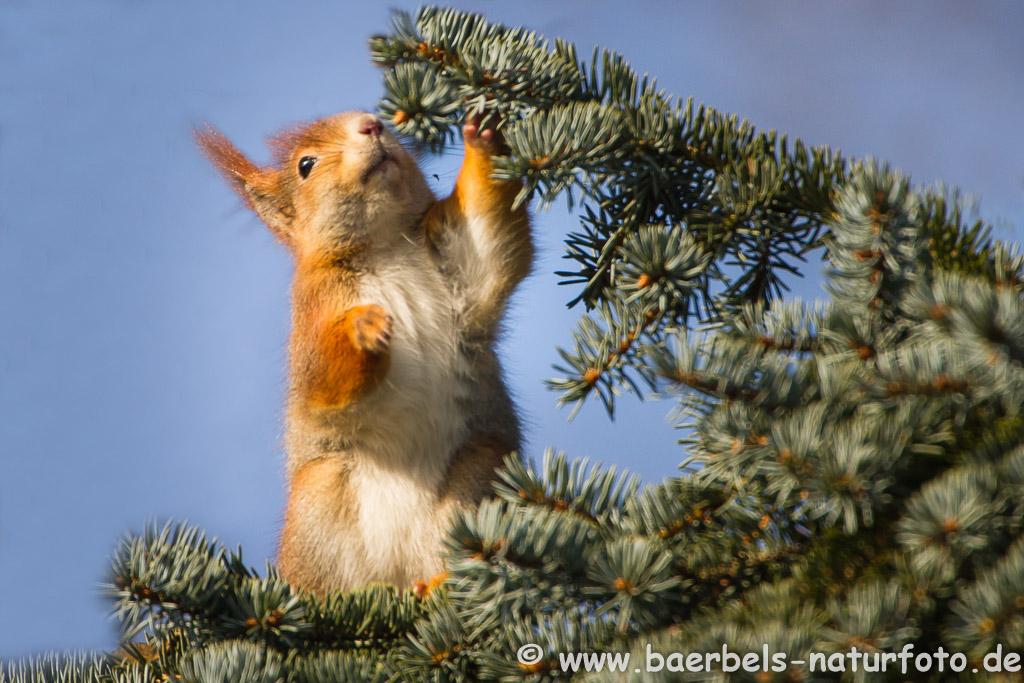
{"x": 228, "y": 159}
{"x": 260, "y": 189}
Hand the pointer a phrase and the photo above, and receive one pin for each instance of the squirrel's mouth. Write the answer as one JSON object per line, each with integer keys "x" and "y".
{"x": 380, "y": 157}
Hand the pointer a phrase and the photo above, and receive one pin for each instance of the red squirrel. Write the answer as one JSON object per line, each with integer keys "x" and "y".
{"x": 397, "y": 411}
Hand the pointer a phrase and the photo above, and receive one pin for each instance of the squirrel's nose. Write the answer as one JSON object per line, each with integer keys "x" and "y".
{"x": 371, "y": 125}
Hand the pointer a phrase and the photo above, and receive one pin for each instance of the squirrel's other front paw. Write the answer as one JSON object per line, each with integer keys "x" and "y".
{"x": 371, "y": 328}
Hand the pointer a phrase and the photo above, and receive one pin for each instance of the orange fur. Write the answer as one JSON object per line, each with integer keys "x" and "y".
{"x": 476, "y": 193}
{"x": 346, "y": 361}
{"x": 312, "y": 487}
{"x": 261, "y": 189}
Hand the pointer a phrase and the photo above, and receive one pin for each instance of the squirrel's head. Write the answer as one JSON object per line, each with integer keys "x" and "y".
{"x": 335, "y": 184}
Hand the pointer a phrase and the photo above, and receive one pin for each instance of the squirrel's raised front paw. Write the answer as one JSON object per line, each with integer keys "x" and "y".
{"x": 371, "y": 328}
{"x": 477, "y": 134}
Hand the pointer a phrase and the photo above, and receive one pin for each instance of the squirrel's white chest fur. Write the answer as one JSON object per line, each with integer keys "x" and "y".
{"x": 409, "y": 426}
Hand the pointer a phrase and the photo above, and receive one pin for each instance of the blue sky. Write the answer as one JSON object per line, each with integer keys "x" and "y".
{"x": 143, "y": 314}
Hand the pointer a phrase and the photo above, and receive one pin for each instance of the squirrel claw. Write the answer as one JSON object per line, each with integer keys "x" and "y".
{"x": 372, "y": 328}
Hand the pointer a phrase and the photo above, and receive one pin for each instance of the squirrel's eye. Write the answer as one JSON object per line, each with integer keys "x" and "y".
{"x": 306, "y": 165}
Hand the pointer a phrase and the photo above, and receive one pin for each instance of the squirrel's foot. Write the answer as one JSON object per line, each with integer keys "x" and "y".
{"x": 423, "y": 588}
{"x": 371, "y": 329}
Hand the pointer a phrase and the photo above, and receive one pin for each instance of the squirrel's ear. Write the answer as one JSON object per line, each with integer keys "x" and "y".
{"x": 260, "y": 189}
